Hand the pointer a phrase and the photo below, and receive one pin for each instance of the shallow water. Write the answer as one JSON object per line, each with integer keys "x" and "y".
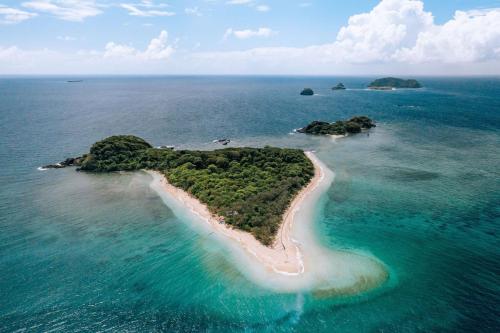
{"x": 324, "y": 270}
{"x": 82, "y": 252}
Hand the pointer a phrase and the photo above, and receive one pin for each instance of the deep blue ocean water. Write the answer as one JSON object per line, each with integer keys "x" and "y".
{"x": 87, "y": 253}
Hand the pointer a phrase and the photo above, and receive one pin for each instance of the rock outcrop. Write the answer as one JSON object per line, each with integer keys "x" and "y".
{"x": 341, "y": 127}
{"x": 307, "y": 92}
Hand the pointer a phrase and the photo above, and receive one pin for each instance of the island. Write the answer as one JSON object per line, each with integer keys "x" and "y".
{"x": 307, "y": 92}
{"x": 340, "y": 127}
{"x": 71, "y": 161}
{"x": 389, "y": 83}
{"x": 258, "y": 201}
{"x": 339, "y": 86}
{"x": 247, "y": 188}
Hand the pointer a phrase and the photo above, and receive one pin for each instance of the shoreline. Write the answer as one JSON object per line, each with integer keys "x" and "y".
{"x": 284, "y": 257}
{"x": 296, "y": 261}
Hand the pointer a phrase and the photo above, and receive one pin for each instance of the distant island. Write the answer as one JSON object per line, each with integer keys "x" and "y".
{"x": 307, "y": 92}
{"x": 339, "y": 86}
{"x": 340, "y": 127}
{"x": 389, "y": 83}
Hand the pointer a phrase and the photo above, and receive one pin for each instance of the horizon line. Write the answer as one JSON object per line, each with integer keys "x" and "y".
{"x": 248, "y": 75}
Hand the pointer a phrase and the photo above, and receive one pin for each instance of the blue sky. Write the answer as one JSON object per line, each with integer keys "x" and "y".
{"x": 249, "y": 37}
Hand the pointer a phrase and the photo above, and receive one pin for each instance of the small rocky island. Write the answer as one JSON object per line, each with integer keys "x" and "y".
{"x": 389, "y": 83}
{"x": 307, "y": 92}
{"x": 71, "y": 161}
{"x": 339, "y": 86}
{"x": 340, "y": 127}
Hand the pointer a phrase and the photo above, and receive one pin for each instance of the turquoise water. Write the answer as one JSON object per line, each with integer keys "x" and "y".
{"x": 82, "y": 252}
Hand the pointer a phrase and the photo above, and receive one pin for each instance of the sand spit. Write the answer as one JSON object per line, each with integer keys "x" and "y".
{"x": 295, "y": 261}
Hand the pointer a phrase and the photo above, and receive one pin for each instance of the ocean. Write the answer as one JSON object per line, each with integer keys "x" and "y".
{"x": 102, "y": 252}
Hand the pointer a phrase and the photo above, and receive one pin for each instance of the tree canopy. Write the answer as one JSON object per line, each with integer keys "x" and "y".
{"x": 340, "y": 127}
{"x": 307, "y": 92}
{"x": 250, "y": 187}
{"x": 395, "y": 83}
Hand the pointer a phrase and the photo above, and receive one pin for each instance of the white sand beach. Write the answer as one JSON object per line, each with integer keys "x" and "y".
{"x": 295, "y": 261}
{"x": 284, "y": 256}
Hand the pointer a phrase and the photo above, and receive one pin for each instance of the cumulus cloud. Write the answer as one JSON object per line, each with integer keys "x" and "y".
{"x": 12, "y": 15}
{"x": 248, "y": 33}
{"x": 470, "y": 36}
{"x": 158, "y": 49}
{"x": 69, "y": 10}
{"x": 377, "y": 35}
{"x": 402, "y": 31}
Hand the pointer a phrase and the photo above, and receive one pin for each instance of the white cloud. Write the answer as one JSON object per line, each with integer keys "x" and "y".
{"x": 239, "y": 2}
{"x": 249, "y": 3}
{"x": 158, "y": 49}
{"x": 305, "y": 4}
{"x": 468, "y": 37}
{"x": 248, "y": 33}
{"x": 263, "y": 8}
{"x": 402, "y": 31}
{"x": 396, "y": 34}
{"x": 195, "y": 11}
{"x": 69, "y": 10}
{"x": 146, "y": 9}
{"x": 377, "y": 35}
{"x": 11, "y": 15}
{"x": 395, "y": 37}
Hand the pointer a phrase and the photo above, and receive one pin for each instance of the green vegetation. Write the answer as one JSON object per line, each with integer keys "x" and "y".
{"x": 307, "y": 92}
{"x": 392, "y": 82}
{"x": 250, "y": 187}
{"x": 115, "y": 153}
{"x": 351, "y": 126}
{"x": 339, "y": 86}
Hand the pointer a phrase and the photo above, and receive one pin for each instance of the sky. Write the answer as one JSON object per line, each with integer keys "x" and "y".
{"x": 256, "y": 37}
